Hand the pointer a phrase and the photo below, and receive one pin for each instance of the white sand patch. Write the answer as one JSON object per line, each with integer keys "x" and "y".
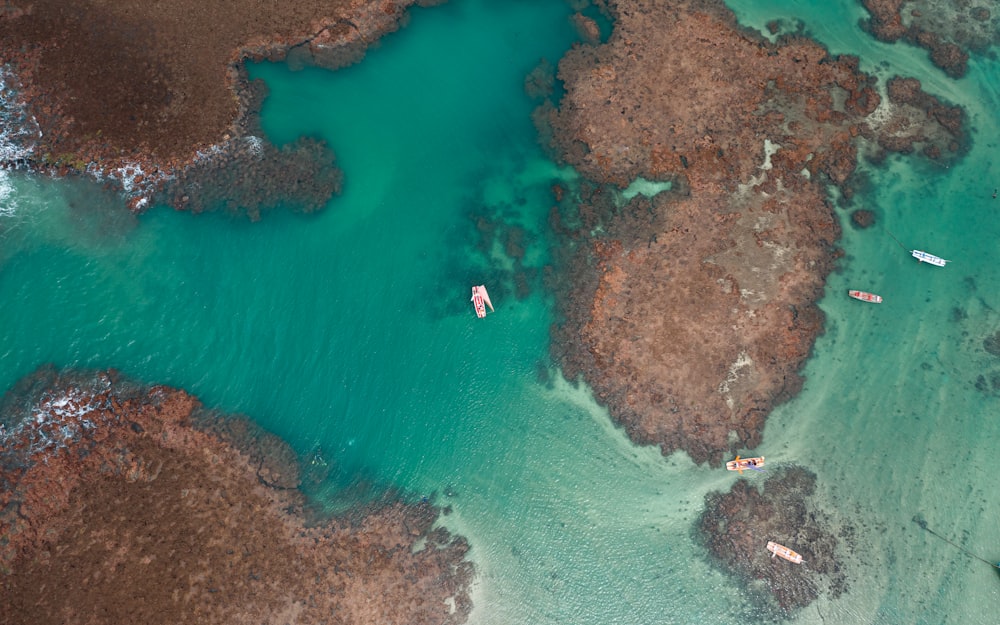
{"x": 769, "y": 150}
{"x": 543, "y": 171}
{"x": 882, "y": 115}
{"x": 743, "y": 189}
{"x": 478, "y": 592}
{"x": 597, "y": 510}
{"x": 778, "y": 252}
{"x": 649, "y": 188}
{"x": 647, "y": 457}
{"x": 742, "y": 364}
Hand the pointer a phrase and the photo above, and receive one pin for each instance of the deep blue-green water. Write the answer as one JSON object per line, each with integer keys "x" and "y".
{"x": 350, "y": 331}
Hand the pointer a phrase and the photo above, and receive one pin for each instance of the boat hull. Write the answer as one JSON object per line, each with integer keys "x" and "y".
{"x": 865, "y": 296}
{"x": 930, "y": 259}
{"x": 477, "y": 302}
{"x": 745, "y": 464}
{"x": 480, "y": 300}
{"x": 783, "y": 552}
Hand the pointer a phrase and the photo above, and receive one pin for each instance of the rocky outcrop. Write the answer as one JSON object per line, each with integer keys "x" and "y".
{"x": 128, "y": 504}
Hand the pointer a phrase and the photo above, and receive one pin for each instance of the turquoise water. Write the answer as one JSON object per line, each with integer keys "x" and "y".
{"x": 350, "y": 332}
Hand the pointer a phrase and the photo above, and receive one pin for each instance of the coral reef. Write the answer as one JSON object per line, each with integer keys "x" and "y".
{"x": 129, "y": 504}
{"x": 690, "y": 312}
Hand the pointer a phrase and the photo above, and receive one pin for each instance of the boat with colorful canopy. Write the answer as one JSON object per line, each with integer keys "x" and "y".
{"x": 743, "y": 464}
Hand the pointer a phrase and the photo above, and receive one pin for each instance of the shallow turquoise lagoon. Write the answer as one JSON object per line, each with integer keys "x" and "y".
{"x": 350, "y": 334}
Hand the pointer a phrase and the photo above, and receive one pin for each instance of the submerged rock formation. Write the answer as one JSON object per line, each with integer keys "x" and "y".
{"x": 690, "y": 312}
{"x": 949, "y": 31}
{"x": 736, "y": 527}
{"x": 129, "y": 504}
{"x": 135, "y": 93}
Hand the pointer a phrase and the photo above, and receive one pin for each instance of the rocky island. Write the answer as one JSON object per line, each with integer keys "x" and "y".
{"x": 122, "y": 503}
{"x": 690, "y": 311}
{"x": 152, "y": 98}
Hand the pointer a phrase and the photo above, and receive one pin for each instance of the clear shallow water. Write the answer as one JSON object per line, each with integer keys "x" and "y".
{"x": 350, "y": 331}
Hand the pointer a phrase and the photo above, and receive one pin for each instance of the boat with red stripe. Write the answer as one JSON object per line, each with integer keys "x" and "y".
{"x": 865, "y": 296}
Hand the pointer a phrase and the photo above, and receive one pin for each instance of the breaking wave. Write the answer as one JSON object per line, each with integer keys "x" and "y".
{"x": 19, "y": 130}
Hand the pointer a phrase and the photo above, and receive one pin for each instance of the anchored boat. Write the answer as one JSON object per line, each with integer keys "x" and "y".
{"x": 924, "y": 257}
{"x": 753, "y": 464}
{"x": 481, "y": 299}
{"x": 920, "y": 255}
{"x": 784, "y": 552}
{"x": 865, "y": 296}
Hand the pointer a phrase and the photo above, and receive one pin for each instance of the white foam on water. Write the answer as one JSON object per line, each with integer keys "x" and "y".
{"x": 136, "y": 183}
{"x": 256, "y": 144}
{"x": 19, "y": 135}
{"x": 19, "y": 130}
{"x": 8, "y": 203}
{"x": 128, "y": 175}
{"x": 57, "y": 420}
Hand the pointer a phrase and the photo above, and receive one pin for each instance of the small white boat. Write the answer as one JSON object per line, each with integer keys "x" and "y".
{"x": 924, "y": 257}
{"x": 865, "y": 296}
{"x": 480, "y": 300}
{"x": 784, "y": 552}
